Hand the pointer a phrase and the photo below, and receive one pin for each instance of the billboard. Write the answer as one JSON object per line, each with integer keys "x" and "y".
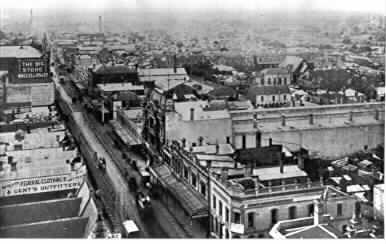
{"x": 32, "y": 68}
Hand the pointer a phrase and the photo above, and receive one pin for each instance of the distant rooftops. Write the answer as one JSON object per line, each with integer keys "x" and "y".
{"x": 19, "y": 52}
{"x": 113, "y": 69}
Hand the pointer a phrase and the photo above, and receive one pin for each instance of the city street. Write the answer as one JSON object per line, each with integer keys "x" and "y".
{"x": 105, "y": 148}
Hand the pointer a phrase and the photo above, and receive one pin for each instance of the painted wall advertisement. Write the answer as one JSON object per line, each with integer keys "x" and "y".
{"x": 40, "y": 94}
{"x": 40, "y": 184}
{"x": 32, "y": 68}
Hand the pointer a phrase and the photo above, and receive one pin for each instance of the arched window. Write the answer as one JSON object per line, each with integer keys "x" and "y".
{"x": 269, "y": 81}
{"x": 279, "y": 83}
{"x": 285, "y": 81}
{"x": 292, "y": 212}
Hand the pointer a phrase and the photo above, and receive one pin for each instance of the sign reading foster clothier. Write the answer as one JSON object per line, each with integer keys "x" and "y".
{"x": 41, "y": 184}
{"x": 32, "y": 68}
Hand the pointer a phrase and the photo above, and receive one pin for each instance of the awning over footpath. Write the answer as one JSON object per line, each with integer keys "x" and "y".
{"x": 194, "y": 204}
{"x": 124, "y": 135}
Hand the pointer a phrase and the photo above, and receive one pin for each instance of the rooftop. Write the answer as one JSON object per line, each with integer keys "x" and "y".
{"x": 102, "y": 69}
{"x": 291, "y": 61}
{"x": 223, "y": 149}
{"x": 162, "y": 72}
{"x": 268, "y": 90}
{"x": 19, "y": 52}
{"x": 38, "y": 138}
{"x": 321, "y": 231}
{"x": 273, "y": 173}
{"x": 37, "y": 163}
{"x": 123, "y": 86}
{"x": 275, "y": 71}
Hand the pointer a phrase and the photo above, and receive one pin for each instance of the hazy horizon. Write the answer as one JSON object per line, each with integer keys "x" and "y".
{"x": 358, "y": 6}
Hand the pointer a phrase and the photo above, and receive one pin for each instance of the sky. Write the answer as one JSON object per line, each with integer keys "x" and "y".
{"x": 378, "y": 6}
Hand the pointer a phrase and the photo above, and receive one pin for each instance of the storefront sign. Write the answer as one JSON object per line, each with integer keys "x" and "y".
{"x": 40, "y": 184}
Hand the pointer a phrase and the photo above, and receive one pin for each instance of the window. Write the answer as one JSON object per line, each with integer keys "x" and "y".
{"x": 236, "y": 218}
{"x": 186, "y": 172}
{"x": 251, "y": 220}
{"x": 269, "y": 81}
{"x": 244, "y": 141}
{"x": 357, "y": 209}
{"x": 226, "y": 214}
{"x": 203, "y": 188}
{"x": 262, "y": 99}
{"x": 285, "y": 81}
{"x": 194, "y": 180}
{"x": 274, "y": 217}
{"x": 220, "y": 208}
{"x": 214, "y": 202}
{"x": 274, "y": 81}
{"x": 273, "y": 98}
{"x": 228, "y": 140}
{"x": 292, "y": 212}
{"x": 262, "y": 81}
{"x": 226, "y": 234}
{"x": 279, "y": 82}
{"x": 310, "y": 209}
{"x": 285, "y": 97}
{"x": 339, "y": 209}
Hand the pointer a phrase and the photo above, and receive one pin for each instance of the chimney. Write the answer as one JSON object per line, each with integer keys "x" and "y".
{"x": 311, "y": 119}
{"x": 281, "y": 167}
{"x": 192, "y": 114}
{"x": 247, "y": 170}
{"x": 282, "y": 120}
{"x": 300, "y": 161}
{"x": 175, "y": 63}
{"x": 350, "y": 116}
{"x": 318, "y": 212}
{"x": 10, "y": 159}
{"x": 224, "y": 174}
{"x": 217, "y": 149}
{"x": 270, "y": 141}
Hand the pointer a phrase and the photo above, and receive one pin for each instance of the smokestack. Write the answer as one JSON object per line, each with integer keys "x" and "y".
{"x": 30, "y": 20}
{"x": 192, "y": 114}
{"x": 100, "y": 24}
